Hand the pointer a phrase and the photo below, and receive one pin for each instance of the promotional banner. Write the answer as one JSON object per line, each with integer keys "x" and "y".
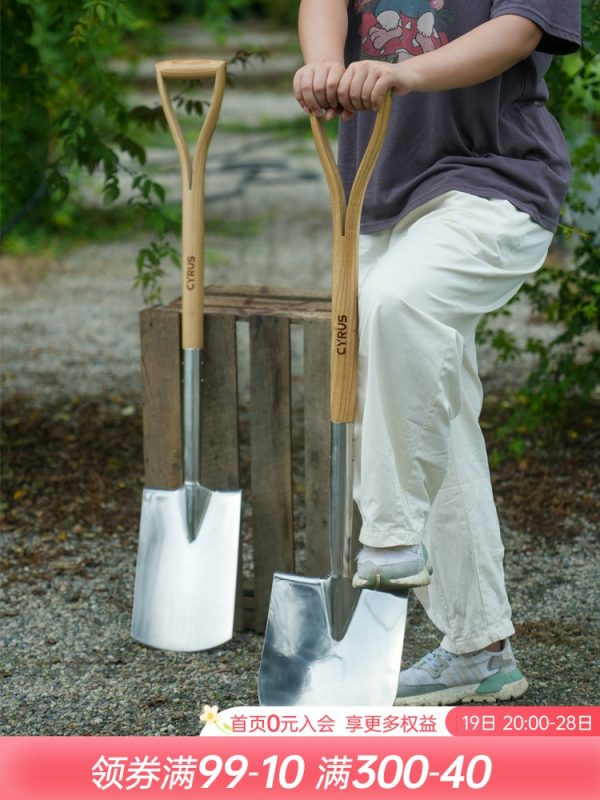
{"x": 507, "y": 752}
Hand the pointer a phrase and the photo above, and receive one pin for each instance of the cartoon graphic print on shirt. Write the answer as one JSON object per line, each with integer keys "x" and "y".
{"x": 392, "y": 30}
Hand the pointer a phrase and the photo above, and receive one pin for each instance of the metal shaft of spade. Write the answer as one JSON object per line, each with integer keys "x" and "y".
{"x": 341, "y": 599}
{"x": 196, "y": 496}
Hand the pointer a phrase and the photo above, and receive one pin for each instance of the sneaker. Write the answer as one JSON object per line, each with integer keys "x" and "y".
{"x": 443, "y": 678}
{"x": 392, "y": 568}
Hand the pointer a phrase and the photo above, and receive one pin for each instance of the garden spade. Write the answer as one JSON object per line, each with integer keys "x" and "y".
{"x": 186, "y": 572}
{"x": 327, "y": 643}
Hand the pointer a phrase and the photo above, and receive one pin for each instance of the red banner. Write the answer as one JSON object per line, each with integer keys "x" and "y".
{"x": 496, "y": 753}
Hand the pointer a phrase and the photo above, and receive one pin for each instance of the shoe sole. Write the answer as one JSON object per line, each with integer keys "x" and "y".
{"x": 376, "y": 581}
{"x": 457, "y": 695}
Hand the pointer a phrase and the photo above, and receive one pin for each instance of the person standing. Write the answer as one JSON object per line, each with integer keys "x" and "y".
{"x": 460, "y": 211}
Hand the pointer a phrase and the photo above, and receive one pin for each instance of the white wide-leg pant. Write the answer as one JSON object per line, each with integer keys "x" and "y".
{"x": 421, "y": 469}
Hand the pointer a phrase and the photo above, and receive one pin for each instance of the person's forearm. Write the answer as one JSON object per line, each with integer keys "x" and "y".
{"x": 475, "y": 57}
{"x": 322, "y": 28}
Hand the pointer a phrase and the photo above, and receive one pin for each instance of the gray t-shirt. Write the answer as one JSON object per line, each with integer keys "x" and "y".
{"x": 495, "y": 140}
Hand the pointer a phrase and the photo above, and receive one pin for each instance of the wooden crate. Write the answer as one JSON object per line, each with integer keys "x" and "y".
{"x": 268, "y": 495}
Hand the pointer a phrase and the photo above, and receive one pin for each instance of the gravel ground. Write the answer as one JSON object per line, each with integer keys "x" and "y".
{"x": 72, "y": 474}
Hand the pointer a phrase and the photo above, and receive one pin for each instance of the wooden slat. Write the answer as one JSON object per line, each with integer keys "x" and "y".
{"x": 161, "y": 392}
{"x": 260, "y": 290}
{"x": 248, "y": 608}
{"x": 317, "y": 438}
{"x": 271, "y": 466}
{"x": 294, "y": 310}
{"x": 244, "y": 302}
{"x": 220, "y": 461}
{"x": 220, "y": 465}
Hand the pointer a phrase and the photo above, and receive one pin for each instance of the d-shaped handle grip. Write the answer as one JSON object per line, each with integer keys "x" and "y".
{"x": 192, "y": 187}
{"x": 344, "y": 277}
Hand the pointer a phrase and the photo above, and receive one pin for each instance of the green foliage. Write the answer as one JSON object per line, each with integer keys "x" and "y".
{"x": 67, "y": 67}
{"x": 566, "y": 292}
{"x": 219, "y": 14}
{"x": 281, "y": 12}
{"x": 64, "y": 106}
{"x": 215, "y": 14}
{"x": 25, "y": 118}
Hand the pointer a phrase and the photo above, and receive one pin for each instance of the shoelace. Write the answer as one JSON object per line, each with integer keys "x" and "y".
{"x": 437, "y": 659}
{"x": 440, "y": 658}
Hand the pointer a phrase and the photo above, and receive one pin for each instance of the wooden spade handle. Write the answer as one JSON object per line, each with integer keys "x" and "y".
{"x": 192, "y": 187}
{"x": 344, "y": 277}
